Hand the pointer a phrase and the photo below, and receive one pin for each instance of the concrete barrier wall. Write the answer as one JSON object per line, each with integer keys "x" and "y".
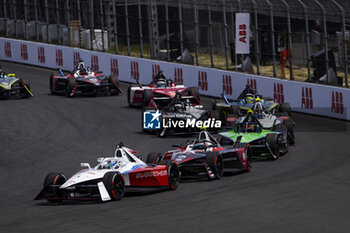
{"x": 303, "y": 97}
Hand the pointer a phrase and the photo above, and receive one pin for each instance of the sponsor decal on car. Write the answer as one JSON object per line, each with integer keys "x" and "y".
{"x": 152, "y": 120}
{"x": 151, "y": 174}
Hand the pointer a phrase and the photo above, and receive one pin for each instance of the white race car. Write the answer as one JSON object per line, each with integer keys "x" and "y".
{"x": 110, "y": 178}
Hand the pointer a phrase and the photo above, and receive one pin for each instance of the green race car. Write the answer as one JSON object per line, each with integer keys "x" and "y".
{"x": 263, "y": 143}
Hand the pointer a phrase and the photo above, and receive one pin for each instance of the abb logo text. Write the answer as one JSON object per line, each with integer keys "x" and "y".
{"x": 114, "y": 66}
{"x": 202, "y": 81}
{"x": 24, "y": 52}
{"x": 278, "y": 94}
{"x": 76, "y": 58}
{"x": 243, "y": 33}
{"x": 8, "y": 52}
{"x": 178, "y": 75}
{"x": 155, "y": 70}
{"x": 226, "y": 84}
{"x": 94, "y": 63}
{"x": 252, "y": 84}
{"x": 306, "y": 98}
{"x": 41, "y": 54}
{"x": 135, "y": 73}
{"x": 59, "y": 58}
{"x": 337, "y": 102}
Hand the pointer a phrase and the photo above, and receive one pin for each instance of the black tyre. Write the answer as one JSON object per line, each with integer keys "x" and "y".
{"x": 230, "y": 123}
{"x": 213, "y": 106}
{"x": 54, "y": 178}
{"x": 114, "y": 84}
{"x": 235, "y": 110}
{"x": 272, "y": 142}
{"x": 25, "y": 85}
{"x": 285, "y": 107}
{"x": 153, "y": 158}
{"x": 128, "y": 96}
{"x": 147, "y": 97}
{"x": 51, "y": 84}
{"x": 194, "y": 92}
{"x": 216, "y": 163}
{"x": 115, "y": 185}
{"x": 71, "y": 83}
{"x": 290, "y": 133}
{"x": 173, "y": 173}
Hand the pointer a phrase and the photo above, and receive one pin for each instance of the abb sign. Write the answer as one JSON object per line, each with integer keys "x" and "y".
{"x": 59, "y": 58}
{"x": 41, "y": 54}
{"x": 202, "y": 81}
{"x": 94, "y": 63}
{"x": 306, "y": 98}
{"x": 24, "y": 52}
{"x": 278, "y": 94}
{"x": 178, "y": 76}
{"x": 242, "y": 33}
{"x": 337, "y": 102}
{"x": 252, "y": 83}
{"x": 76, "y": 58}
{"x": 8, "y": 52}
{"x": 155, "y": 70}
{"x": 114, "y": 66}
{"x": 135, "y": 73}
{"x": 226, "y": 84}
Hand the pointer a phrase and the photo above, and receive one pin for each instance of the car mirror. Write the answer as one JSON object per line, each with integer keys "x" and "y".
{"x": 85, "y": 165}
{"x": 100, "y": 160}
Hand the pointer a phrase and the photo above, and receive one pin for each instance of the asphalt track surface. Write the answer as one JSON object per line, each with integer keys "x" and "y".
{"x": 307, "y": 190}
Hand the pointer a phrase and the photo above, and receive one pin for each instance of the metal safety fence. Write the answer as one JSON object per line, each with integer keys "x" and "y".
{"x": 304, "y": 40}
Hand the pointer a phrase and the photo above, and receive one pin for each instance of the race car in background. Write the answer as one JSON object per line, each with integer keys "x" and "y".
{"x": 110, "y": 179}
{"x": 180, "y": 109}
{"x": 204, "y": 157}
{"x": 264, "y": 143}
{"x": 84, "y": 81}
{"x": 246, "y": 101}
{"x": 10, "y": 86}
{"x": 161, "y": 91}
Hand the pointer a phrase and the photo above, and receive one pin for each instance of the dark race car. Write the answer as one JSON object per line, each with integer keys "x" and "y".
{"x": 10, "y": 86}
{"x": 181, "y": 117}
{"x": 84, "y": 81}
{"x": 246, "y": 101}
{"x": 204, "y": 157}
{"x": 161, "y": 91}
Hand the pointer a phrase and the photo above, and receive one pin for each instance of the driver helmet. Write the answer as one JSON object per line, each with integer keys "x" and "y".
{"x": 161, "y": 83}
{"x": 81, "y": 64}
{"x": 2, "y": 75}
{"x": 249, "y": 98}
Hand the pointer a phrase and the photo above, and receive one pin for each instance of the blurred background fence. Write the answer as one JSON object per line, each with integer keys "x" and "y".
{"x": 304, "y": 40}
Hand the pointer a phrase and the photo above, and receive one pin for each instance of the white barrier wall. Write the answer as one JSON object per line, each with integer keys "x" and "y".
{"x": 303, "y": 97}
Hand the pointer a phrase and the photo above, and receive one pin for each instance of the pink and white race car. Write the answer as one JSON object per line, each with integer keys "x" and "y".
{"x": 110, "y": 179}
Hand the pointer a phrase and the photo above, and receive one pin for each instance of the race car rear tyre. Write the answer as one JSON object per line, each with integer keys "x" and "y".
{"x": 54, "y": 178}
{"x": 285, "y": 107}
{"x": 128, "y": 95}
{"x": 213, "y": 106}
{"x": 153, "y": 158}
{"x": 51, "y": 84}
{"x": 290, "y": 133}
{"x": 272, "y": 142}
{"x": 230, "y": 121}
{"x": 115, "y": 185}
{"x": 173, "y": 173}
{"x": 147, "y": 97}
{"x": 235, "y": 110}
{"x": 215, "y": 163}
{"x": 71, "y": 83}
{"x": 194, "y": 92}
{"x": 23, "y": 84}
{"x": 114, "y": 83}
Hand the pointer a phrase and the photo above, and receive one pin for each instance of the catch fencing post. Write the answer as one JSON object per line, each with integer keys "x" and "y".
{"x": 140, "y": 27}
{"x": 115, "y": 27}
{"x": 272, "y": 38}
{"x": 256, "y": 25}
{"x": 289, "y": 35}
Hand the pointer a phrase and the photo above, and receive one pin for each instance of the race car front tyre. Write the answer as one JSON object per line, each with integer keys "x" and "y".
{"x": 272, "y": 142}
{"x": 194, "y": 92}
{"x": 129, "y": 95}
{"x": 52, "y": 91}
{"x": 115, "y": 185}
{"x": 71, "y": 83}
{"x": 173, "y": 173}
{"x": 215, "y": 163}
{"x": 153, "y": 158}
{"x": 285, "y": 107}
{"x": 114, "y": 83}
{"x": 54, "y": 178}
{"x": 147, "y": 97}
